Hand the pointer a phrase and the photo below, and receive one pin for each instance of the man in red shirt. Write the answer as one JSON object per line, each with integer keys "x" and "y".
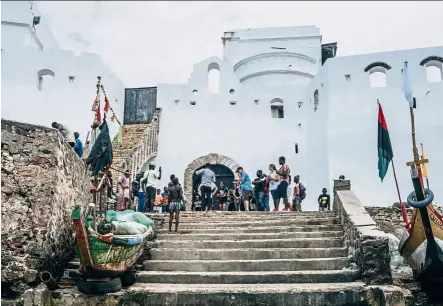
{"x": 283, "y": 187}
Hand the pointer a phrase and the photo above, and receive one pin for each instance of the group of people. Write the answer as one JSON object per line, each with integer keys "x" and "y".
{"x": 254, "y": 195}
{"x": 147, "y": 197}
{"x": 246, "y": 194}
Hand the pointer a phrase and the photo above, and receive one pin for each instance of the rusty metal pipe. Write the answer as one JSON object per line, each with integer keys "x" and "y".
{"x": 49, "y": 281}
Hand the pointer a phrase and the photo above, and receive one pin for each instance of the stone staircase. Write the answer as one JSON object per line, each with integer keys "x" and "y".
{"x": 139, "y": 144}
{"x": 223, "y": 258}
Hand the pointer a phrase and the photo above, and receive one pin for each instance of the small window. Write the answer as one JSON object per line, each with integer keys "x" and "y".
{"x": 44, "y": 74}
{"x": 232, "y": 102}
{"x": 256, "y": 101}
{"x": 377, "y": 77}
{"x": 213, "y": 78}
{"x": 71, "y": 79}
{"x": 177, "y": 101}
{"x": 232, "y": 91}
{"x": 434, "y": 72}
{"x": 348, "y": 77}
{"x": 192, "y": 102}
{"x": 296, "y": 148}
{"x": 195, "y": 92}
{"x": 277, "y": 110}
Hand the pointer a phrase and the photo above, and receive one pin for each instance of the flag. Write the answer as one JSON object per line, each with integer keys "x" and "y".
{"x": 407, "y": 89}
{"x": 385, "y": 154}
{"x": 424, "y": 166}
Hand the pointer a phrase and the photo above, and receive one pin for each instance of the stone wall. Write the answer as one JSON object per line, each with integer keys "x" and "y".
{"x": 42, "y": 180}
{"x": 368, "y": 246}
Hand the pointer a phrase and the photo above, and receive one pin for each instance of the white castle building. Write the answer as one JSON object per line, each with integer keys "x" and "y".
{"x": 42, "y": 83}
{"x": 277, "y": 98}
{"x": 280, "y": 92}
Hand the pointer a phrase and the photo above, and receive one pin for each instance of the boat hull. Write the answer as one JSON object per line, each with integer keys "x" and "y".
{"x": 423, "y": 256}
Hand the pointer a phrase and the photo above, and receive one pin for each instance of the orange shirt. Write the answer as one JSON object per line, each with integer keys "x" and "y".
{"x": 158, "y": 199}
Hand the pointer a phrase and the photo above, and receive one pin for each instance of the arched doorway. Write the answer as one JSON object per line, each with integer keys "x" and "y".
{"x": 213, "y": 159}
{"x": 222, "y": 174}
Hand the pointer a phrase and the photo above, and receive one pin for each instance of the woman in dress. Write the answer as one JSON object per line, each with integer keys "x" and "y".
{"x": 123, "y": 183}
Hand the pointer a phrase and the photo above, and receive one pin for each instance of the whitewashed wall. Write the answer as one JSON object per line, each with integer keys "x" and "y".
{"x": 339, "y": 138}
{"x": 59, "y": 99}
{"x": 352, "y": 123}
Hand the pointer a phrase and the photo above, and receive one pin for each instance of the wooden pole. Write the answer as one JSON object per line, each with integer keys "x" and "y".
{"x": 403, "y": 207}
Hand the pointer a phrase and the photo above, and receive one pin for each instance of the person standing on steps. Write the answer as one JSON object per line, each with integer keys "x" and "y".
{"x": 299, "y": 194}
{"x": 222, "y": 196}
{"x": 123, "y": 183}
{"x": 245, "y": 187}
{"x": 151, "y": 176}
{"x": 324, "y": 201}
{"x": 283, "y": 187}
{"x": 259, "y": 190}
{"x": 273, "y": 179}
{"x": 175, "y": 197}
{"x": 207, "y": 179}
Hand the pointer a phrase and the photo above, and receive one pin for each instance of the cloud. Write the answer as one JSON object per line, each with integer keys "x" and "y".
{"x": 147, "y": 43}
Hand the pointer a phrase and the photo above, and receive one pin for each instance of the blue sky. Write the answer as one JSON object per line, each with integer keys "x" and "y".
{"x": 147, "y": 43}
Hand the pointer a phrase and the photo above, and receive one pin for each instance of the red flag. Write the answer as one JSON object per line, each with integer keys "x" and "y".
{"x": 107, "y": 106}
{"x": 95, "y": 104}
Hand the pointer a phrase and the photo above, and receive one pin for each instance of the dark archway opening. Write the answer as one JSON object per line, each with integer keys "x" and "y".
{"x": 222, "y": 174}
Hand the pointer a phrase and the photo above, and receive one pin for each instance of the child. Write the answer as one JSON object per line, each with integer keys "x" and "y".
{"x": 324, "y": 201}
{"x": 197, "y": 205}
{"x": 299, "y": 194}
{"x": 164, "y": 200}
{"x": 158, "y": 202}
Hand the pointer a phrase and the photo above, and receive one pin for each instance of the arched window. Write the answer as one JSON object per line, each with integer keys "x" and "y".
{"x": 277, "y": 108}
{"x": 377, "y": 74}
{"x": 41, "y": 76}
{"x": 434, "y": 68}
{"x": 213, "y": 78}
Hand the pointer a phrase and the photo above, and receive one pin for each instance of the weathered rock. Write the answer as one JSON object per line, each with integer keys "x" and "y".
{"x": 42, "y": 180}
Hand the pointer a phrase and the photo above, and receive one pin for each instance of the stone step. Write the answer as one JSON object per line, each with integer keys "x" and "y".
{"x": 250, "y": 218}
{"x": 246, "y": 265}
{"x": 262, "y": 277}
{"x": 254, "y": 213}
{"x": 246, "y": 254}
{"x": 264, "y": 243}
{"x": 246, "y": 223}
{"x": 250, "y": 236}
{"x": 258, "y": 229}
{"x": 156, "y": 294}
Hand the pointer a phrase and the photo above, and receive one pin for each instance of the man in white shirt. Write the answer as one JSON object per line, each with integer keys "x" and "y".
{"x": 151, "y": 176}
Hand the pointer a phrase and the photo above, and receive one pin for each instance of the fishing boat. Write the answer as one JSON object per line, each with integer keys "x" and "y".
{"x": 422, "y": 244}
{"x": 105, "y": 256}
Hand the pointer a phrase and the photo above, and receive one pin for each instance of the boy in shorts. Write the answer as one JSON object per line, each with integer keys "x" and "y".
{"x": 299, "y": 194}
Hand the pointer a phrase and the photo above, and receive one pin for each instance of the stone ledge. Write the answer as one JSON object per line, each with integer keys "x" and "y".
{"x": 368, "y": 246}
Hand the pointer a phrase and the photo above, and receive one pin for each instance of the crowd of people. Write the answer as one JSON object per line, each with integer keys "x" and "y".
{"x": 245, "y": 195}
{"x": 254, "y": 195}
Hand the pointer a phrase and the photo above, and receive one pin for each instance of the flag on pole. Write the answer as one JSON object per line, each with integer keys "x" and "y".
{"x": 407, "y": 89}
{"x": 424, "y": 167}
{"x": 385, "y": 153}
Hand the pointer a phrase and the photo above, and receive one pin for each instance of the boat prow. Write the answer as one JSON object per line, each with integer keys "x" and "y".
{"x": 422, "y": 247}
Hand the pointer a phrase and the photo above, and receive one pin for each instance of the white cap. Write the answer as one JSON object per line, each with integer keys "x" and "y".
{"x": 151, "y": 164}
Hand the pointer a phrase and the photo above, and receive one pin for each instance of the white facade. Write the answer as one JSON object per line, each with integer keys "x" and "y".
{"x": 340, "y": 137}
{"x": 68, "y": 95}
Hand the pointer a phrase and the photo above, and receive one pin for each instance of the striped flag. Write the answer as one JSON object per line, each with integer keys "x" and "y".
{"x": 407, "y": 89}
{"x": 385, "y": 153}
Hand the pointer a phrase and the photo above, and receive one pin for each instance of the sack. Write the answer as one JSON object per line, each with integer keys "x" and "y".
{"x": 129, "y": 228}
{"x": 141, "y": 218}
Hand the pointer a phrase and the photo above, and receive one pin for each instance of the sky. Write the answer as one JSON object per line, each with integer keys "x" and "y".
{"x": 146, "y": 43}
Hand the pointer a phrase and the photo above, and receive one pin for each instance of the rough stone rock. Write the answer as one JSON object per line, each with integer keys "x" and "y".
{"x": 42, "y": 180}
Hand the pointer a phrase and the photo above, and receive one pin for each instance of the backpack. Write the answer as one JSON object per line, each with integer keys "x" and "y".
{"x": 135, "y": 186}
{"x": 303, "y": 194}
